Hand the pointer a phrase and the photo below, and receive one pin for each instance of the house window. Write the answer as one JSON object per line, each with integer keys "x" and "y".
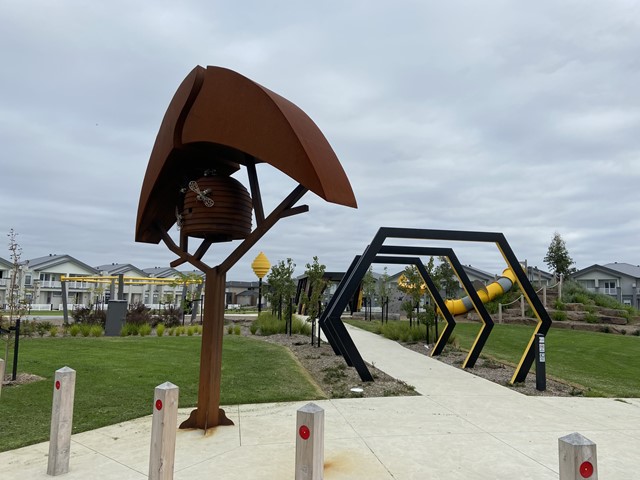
{"x": 609, "y": 287}
{"x": 588, "y": 284}
{"x": 27, "y": 279}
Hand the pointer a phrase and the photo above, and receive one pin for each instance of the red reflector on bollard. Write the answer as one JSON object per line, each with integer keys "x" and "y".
{"x": 586, "y": 469}
{"x": 304, "y": 432}
{"x": 159, "y": 404}
{"x": 57, "y": 384}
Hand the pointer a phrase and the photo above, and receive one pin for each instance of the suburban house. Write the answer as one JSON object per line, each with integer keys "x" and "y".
{"x": 620, "y": 280}
{"x": 40, "y": 277}
{"x": 5, "y": 271}
{"x": 540, "y": 278}
{"x": 243, "y": 294}
{"x": 172, "y": 292}
{"x": 476, "y": 276}
{"x": 132, "y": 293}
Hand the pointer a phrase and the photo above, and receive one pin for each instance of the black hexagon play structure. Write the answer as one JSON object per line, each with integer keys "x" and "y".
{"x": 377, "y": 252}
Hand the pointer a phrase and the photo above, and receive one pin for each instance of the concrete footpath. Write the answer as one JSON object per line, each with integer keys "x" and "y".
{"x": 462, "y": 427}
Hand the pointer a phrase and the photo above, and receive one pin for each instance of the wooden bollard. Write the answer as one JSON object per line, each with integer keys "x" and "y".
{"x": 577, "y": 458}
{"x": 64, "y": 387}
{"x": 310, "y": 443}
{"x": 1, "y": 375}
{"x": 163, "y": 432}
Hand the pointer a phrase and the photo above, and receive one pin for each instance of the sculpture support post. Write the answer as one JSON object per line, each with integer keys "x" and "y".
{"x": 208, "y": 413}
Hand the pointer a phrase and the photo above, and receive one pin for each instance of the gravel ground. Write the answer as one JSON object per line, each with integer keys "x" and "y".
{"x": 337, "y": 380}
{"x": 333, "y": 376}
{"x": 500, "y": 373}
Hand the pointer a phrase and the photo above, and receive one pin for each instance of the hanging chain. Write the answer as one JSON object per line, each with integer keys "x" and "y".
{"x": 179, "y": 220}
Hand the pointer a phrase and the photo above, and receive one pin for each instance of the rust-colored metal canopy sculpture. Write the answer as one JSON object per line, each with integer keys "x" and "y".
{"x": 216, "y": 122}
{"x": 219, "y": 119}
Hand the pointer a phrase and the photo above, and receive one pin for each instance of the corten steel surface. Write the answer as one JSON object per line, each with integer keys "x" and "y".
{"x": 339, "y": 337}
{"x": 219, "y": 120}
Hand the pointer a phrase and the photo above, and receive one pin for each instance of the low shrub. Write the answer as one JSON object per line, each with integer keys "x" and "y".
{"x": 160, "y": 329}
{"x": 171, "y": 316}
{"x": 85, "y": 330}
{"x": 559, "y": 315}
{"x": 138, "y": 314}
{"x": 237, "y": 330}
{"x": 191, "y": 331}
{"x": 96, "y": 331}
{"x": 560, "y": 305}
{"x": 27, "y": 328}
{"x": 269, "y": 324}
{"x": 401, "y": 331}
{"x": 591, "y": 318}
{"x": 129, "y": 329}
{"x": 90, "y": 315}
{"x": 43, "y": 328}
{"x": 53, "y": 331}
{"x": 144, "y": 330}
{"x": 74, "y": 330}
{"x": 230, "y": 329}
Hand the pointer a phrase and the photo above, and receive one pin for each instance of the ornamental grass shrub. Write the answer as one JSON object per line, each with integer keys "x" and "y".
{"x": 269, "y": 324}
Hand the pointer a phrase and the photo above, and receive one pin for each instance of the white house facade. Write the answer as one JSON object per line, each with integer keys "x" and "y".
{"x": 619, "y": 280}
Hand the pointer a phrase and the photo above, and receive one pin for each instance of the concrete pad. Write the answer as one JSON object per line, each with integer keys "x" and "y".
{"x": 455, "y": 457}
{"x": 463, "y": 427}
{"x": 401, "y": 416}
{"x": 276, "y": 423}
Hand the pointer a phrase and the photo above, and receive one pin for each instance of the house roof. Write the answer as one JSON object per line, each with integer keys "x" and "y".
{"x": 536, "y": 271}
{"x": 53, "y": 260}
{"x": 161, "y": 272}
{"x": 118, "y": 268}
{"x": 5, "y": 264}
{"x": 240, "y": 284}
{"x": 247, "y": 293}
{"x": 626, "y": 268}
{"x": 476, "y": 272}
{"x": 596, "y": 267}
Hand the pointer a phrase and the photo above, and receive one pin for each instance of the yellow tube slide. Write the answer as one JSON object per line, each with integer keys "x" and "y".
{"x": 486, "y": 294}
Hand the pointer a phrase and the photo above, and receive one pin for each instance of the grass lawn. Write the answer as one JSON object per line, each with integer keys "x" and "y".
{"x": 116, "y": 378}
{"x": 606, "y": 364}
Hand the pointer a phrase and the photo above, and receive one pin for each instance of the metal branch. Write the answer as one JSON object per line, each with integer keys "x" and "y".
{"x": 279, "y": 212}
{"x": 184, "y": 256}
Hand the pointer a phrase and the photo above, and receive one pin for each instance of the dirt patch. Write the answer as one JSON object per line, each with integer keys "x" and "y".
{"x": 332, "y": 374}
{"x": 21, "y": 379}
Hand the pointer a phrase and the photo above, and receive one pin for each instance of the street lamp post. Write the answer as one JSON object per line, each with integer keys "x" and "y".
{"x": 260, "y": 267}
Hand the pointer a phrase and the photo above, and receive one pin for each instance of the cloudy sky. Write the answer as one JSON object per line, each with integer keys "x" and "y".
{"x": 516, "y": 117}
